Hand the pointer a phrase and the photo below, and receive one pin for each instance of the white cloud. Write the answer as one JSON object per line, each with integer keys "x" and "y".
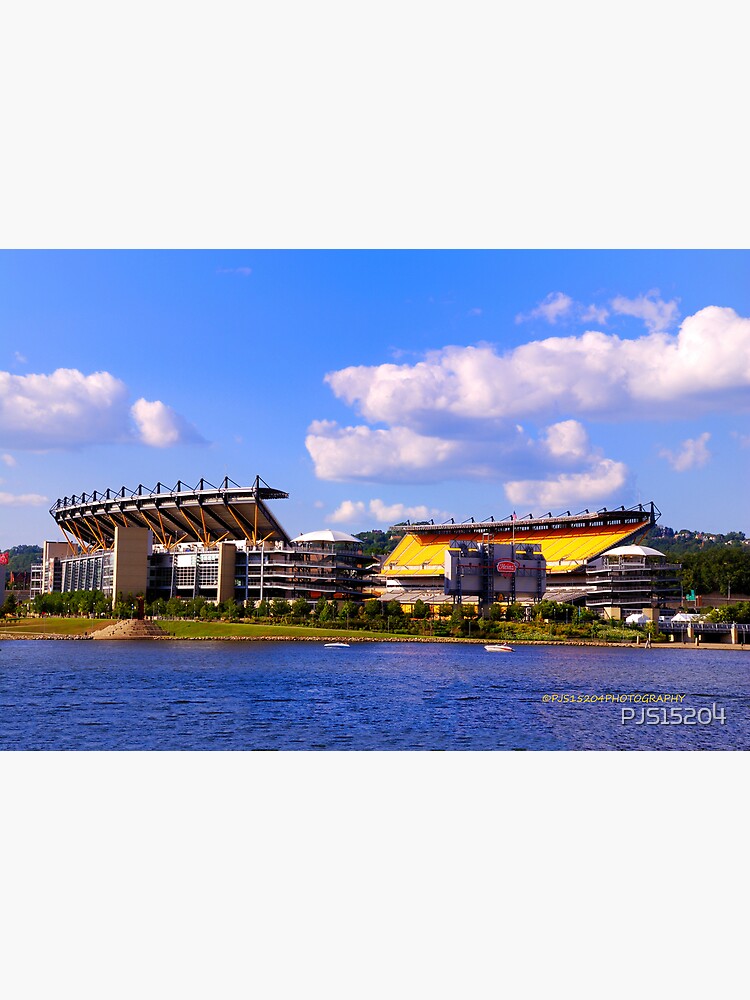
{"x": 67, "y": 409}
{"x": 399, "y": 455}
{"x": 379, "y": 512}
{"x": 460, "y": 412}
{"x": 158, "y": 424}
{"x": 693, "y": 453}
{"x": 345, "y": 453}
{"x": 391, "y": 513}
{"x": 347, "y": 512}
{"x": 550, "y": 309}
{"x": 19, "y": 358}
{"x": 476, "y": 311}
{"x": 22, "y": 500}
{"x": 594, "y": 314}
{"x": 705, "y": 366}
{"x": 657, "y": 314}
{"x": 604, "y": 479}
{"x": 567, "y": 439}
{"x": 244, "y": 271}
{"x": 8, "y": 460}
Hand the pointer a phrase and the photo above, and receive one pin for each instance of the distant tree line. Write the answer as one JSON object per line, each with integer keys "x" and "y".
{"x": 673, "y": 543}
{"x": 20, "y": 558}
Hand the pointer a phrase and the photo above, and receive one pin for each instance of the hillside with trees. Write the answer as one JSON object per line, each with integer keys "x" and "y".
{"x": 711, "y": 563}
{"x": 20, "y": 558}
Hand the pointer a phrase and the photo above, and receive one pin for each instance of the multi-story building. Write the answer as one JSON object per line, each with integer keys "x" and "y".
{"x": 630, "y": 579}
{"x": 220, "y": 543}
{"x": 47, "y": 575}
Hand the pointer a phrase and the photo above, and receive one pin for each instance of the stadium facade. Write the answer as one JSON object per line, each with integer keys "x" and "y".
{"x": 224, "y": 543}
{"x": 570, "y": 546}
{"x": 219, "y": 543}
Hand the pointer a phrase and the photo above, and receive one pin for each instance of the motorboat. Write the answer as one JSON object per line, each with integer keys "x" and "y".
{"x": 499, "y": 648}
{"x": 336, "y": 645}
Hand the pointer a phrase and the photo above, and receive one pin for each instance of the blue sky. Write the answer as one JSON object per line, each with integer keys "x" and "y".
{"x": 375, "y": 386}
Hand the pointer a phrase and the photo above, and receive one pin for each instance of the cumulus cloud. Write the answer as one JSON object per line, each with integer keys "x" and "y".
{"x": 594, "y": 314}
{"x": 347, "y": 512}
{"x": 353, "y": 511}
{"x": 516, "y": 416}
{"x": 692, "y": 454}
{"x": 68, "y": 409}
{"x": 657, "y": 314}
{"x": 567, "y": 439}
{"x": 61, "y": 410}
{"x": 550, "y": 309}
{"x": 705, "y": 366}
{"x": 605, "y": 478}
{"x": 345, "y": 453}
{"x": 399, "y": 455}
{"x": 159, "y": 426}
{"x": 22, "y": 500}
{"x": 8, "y": 460}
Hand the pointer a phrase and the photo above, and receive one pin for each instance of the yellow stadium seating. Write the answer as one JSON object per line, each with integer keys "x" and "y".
{"x": 564, "y": 551}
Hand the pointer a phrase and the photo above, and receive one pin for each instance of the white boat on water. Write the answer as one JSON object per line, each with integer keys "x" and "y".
{"x": 336, "y": 645}
{"x": 500, "y": 648}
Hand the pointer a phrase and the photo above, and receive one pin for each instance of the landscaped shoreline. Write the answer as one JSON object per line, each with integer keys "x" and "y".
{"x": 82, "y": 629}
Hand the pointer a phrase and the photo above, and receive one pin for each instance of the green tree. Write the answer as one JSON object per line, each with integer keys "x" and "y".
{"x": 230, "y": 609}
{"x": 421, "y": 610}
{"x": 10, "y": 606}
{"x": 325, "y": 611}
{"x": 280, "y": 608}
{"x": 176, "y": 607}
{"x": 372, "y": 609}
{"x": 347, "y": 611}
{"x": 393, "y": 609}
{"x": 300, "y": 608}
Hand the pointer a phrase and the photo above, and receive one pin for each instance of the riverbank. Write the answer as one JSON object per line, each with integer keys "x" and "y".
{"x": 264, "y": 636}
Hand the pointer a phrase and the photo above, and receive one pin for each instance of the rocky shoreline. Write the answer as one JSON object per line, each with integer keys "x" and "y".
{"x": 122, "y": 636}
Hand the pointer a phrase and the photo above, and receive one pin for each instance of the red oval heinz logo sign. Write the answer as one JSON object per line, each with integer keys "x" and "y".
{"x": 506, "y": 566}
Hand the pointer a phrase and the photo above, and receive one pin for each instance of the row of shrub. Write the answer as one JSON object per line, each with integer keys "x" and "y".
{"x": 546, "y": 620}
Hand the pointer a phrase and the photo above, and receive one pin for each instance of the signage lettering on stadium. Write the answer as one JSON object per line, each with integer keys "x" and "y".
{"x": 507, "y": 566}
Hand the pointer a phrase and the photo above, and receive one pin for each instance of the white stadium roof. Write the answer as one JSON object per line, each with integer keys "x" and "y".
{"x": 633, "y": 550}
{"x": 327, "y": 535}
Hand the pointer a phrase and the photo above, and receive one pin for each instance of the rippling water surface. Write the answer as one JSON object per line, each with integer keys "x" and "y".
{"x": 67, "y": 695}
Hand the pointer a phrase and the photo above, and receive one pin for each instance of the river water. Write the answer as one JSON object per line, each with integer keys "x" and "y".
{"x": 73, "y": 695}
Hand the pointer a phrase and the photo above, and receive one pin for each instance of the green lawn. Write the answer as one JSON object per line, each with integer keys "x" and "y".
{"x": 186, "y": 629}
{"x": 222, "y": 630}
{"x": 53, "y": 626}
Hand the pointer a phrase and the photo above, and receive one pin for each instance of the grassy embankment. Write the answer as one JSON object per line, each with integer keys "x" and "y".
{"x": 188, "y": 629}
{"x": 52, "y": 626}
{"x": 184, "y": 629}
{"x": 240, "y": 630}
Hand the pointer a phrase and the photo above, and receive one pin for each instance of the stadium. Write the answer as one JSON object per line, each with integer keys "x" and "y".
{"x": 218, "y": 542}
{"x": 588, "y": 557}
{"x": 224, "y": 542}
